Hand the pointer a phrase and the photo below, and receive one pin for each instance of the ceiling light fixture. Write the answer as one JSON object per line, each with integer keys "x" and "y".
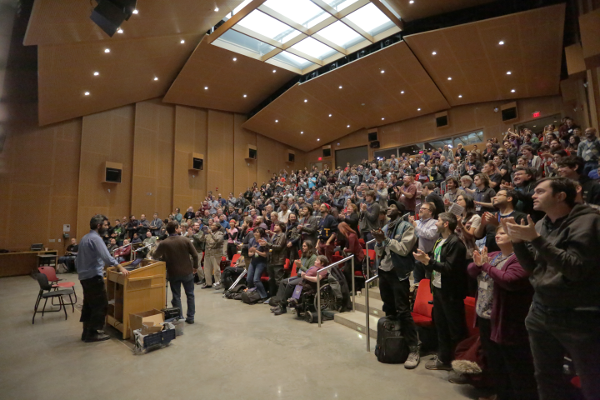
{"x": 460, "y": 96}
{"x": 513, "y": 91}
{"x": 216, "y": 9}
{"x": 156, "y": 78}
{"x": 340, "y": 86}
{"x": 329, "y": 115}
{"x": 135, "y": 11}
{"x": 318, "y": 140}
{"x": 234, "y": 58}
{"x": 402, "y": 92}
{"x": 302, "y": 132}
{"x": 508, "y": 73}
{"x": 382, "y": 119}
{"x": 418, "y": 109}
{"x": 383, "y": 71}
{"x": 274, "y": 70}
{"x": 501, "y": 43}
{"x": 107, "y": 50}
{"x": 86, "y": 94}
{"x": 305, "y": 100}
{"x": 119, "y": 30}
{"x": 411, "y": 2}
{"x": 434, "y": 53}
{"x": 449, "y": 78}
{"x": 245, "y": 95}
{"x": 276, "y": 121}
{"x": 348, "y": 126}
{"x": 182, "y": 41}
{"x": 205, "y": 87}
{"x": 96, "y": 73}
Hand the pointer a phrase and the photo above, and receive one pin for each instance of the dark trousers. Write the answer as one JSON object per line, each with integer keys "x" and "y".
{"x": 556, "y": 333}
{"x": 366, "y": 236}
{"x": 450, "y": 324}
{"x": 396, "y": 304}
{"x": 231, "y": 250}
{"x": 275, "y": 276}
{"x": 326, "y": 250}
{"x": 188, "y": 287}
{"x": 286, "y": 289}
{"x": 69, "y": 262}
{"x": 510, "y": 366}
{"x": 418, "y": 272}
{"x": 95, "y": 303}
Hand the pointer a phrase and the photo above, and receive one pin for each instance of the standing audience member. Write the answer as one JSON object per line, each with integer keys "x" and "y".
{"x": 258, "y": 253}
{"x": 213, "y": 250}
{"x": 589, "y": 150}
{"x": 427, "y": 234}
{"x": 232, "y": 237}
{"x": 276, "y": 246}
{"x": 326, "y": 228}
{"x": 561, "y": 254}
{"x": 369, "y": 216}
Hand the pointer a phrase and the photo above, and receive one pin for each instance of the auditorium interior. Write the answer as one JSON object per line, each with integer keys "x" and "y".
{"x": 186, "y": 99}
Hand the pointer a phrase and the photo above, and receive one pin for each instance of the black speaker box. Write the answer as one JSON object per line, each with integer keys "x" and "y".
{"x": 374, "y": 145}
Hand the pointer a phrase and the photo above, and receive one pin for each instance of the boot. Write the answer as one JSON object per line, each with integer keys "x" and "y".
{"x": 413, "y": 358}
{"x": 280, "y": 310}
{"x": 85, "y": 332}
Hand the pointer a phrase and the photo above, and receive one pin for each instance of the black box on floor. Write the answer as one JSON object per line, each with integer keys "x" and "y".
{"x": 172, "y": 312}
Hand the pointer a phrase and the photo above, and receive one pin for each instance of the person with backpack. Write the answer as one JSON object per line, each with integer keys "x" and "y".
{"x": 394, "y": 246}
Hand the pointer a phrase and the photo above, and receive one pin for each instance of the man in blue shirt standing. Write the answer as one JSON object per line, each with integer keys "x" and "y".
{"x": 91, "y": 259}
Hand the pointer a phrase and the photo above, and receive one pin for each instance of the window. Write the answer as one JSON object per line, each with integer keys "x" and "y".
{"x": 470, "y": 138}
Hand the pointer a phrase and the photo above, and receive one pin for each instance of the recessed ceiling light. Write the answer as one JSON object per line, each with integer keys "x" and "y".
{"x": 340, "y": 86}
{"x": 119, "y": 30}
{"x": 449, "y": 78}
{"x": 348, "y": 126}
{"x": 216, "y": 9}
{"x": 276, "y": 121}
{"x": 245, "y": 95}
{"x": 135, "y": 11}
{"x": 383, "y": 71}
{"x": 411, "y": 2}
{"x": 96, "y": 73}
{"x": 318, "y": 140}
{"x": 86, "y": 94}
{"x": 305, "y": 100}
{"x": 382, "y": 119}
{"x": 501, "y": 43}
{"x": 205, "y": 87}
{"x": 330, "y": 115}
{"x": 402, "y": 92}
{"x": 434, "y": 53}
{"x": 508, "y": 73}
{"x": 513, "y": 91}
{"x": 274, "y": 70}
{"x": 234, "y": 58}
{"x": 182, "y": 41}
{"x": 156, "y": 78}
{"x": 418, "y": 109}
{"x": 302, "y": 132}
{"x": 338, "y": 144}
{"x": 460, "y": 96}
{"x": 107, "y": 50}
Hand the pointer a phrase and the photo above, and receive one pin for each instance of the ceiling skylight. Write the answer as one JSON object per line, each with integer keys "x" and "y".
{"x": 370, "y": 19}
{"x": 265, "y": 25}
{"x": 292, "y": 60}
{"x": 340, "y": 34}
{"x": 234, "y": 38}
{"x": 303, "y": 12}
{"x": 339, "y": 5}
{"x": 314, "y": 48}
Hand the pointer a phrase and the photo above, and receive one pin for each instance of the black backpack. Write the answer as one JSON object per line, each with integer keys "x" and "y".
{"x": 238, "y": 289}
{"x": 391, "y": 347}
{"x": 251, "y": 296}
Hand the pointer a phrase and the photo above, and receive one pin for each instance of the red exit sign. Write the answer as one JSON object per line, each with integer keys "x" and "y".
{"x": 537, "y": 114}
{"x": 320, "y": 158}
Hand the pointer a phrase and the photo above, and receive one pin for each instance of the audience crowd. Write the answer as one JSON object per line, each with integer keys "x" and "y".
{"x": 514, "y": 225}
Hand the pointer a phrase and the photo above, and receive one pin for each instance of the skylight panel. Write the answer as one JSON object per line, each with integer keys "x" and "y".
{"x": 246, "y": 42}
{"x": 265, "y": 25}
{"x": 339, "y": 5}
{"x": 370, "y": 19}
{"x": 293, "y": 60}
{"x": 314, "y": 48}
{"x": 340, "y": 34}
{"x": 303, "y": 12}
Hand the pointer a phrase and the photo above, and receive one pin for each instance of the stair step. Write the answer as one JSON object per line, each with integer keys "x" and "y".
{"x": 373, "y": 293}
{"x": 375, "y": 306}
{"x": 357, "y": 322}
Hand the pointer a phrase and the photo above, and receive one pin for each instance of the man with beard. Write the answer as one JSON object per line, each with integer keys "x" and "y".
{"x": 307, "y": 226}
{"x": 326, "y": 228}
{"x": 213, "y": 239}
{"x": 292, "y": 238}
{"x": 92, "y": 257}
{"x": 394, "y": 246}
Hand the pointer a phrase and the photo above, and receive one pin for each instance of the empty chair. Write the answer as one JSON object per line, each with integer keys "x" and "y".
{"x": 46, "y": 292}
{"x": 55, "y": 281}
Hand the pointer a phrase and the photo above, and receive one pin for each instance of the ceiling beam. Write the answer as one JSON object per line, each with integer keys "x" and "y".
{"x": 234, "y": 20}
{"x": 358, "y": 29}
{"x": 388, "y": 13}
{"x": 258, "y": 36}
{"x": 329, "y": 43}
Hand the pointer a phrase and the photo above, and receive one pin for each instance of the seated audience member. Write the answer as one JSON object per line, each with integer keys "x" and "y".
{"x": 394, "y": 246}
{"x": 452, "y": 192}
{"x": 258, "y": 253}
{"x": 176, "y": 252}
{"x": 149, "y": 241}
{"x": 70, "y": 254}
{"x": 503, "y": 298}
{"x": 561, "y": 254}
{"x": 123, "y": 253}
{"x": 448, "y": 267}
{"x": 427, "y": 234}
{"x": 589, "y": 150}
{"x": 136, "y": 239}
{"x": 213, "y": 248}
{"x": 351, "y": 246}
{"x": 286, "y": 287}
{"x": 277, "y": 247}
{"x": 111, "y": 247}
{"x": 572, "y": 167}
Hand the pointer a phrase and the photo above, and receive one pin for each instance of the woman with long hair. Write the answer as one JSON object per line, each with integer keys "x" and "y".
{"x": 351, "y": 215}
{"x": 468, "y": 224}
{"x": 258, "y": 253}
{"x": 349, "y": 237}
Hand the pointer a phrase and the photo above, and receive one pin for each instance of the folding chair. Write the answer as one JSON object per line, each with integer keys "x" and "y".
{"x": 46, "y": 292}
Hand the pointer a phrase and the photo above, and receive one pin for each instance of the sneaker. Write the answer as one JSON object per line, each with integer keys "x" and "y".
{"x": 267, "y": 301}
{"x": 273, "y": 302}
{"x": 202, "y": 282}
{"x": 96, "y": 336}
{"x": 413, "y": 359}
{"x": 217, "y": 286}
{"x": 206, "y": 287}
{"x": 436, "y": 365}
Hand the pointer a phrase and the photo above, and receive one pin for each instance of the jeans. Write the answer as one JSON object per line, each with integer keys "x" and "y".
{"x": 510, "y": 366}
{"x": 394, "y": 294}
{"x": 450, "y": 324}
{"x": 553, "y": 333}
{"x": 188, "y": 286}
{"x": 95, "y": 303}
{"x": 275, "y": 276}
{"x": 69, "y": 262}
{"x": 255, "y": 271}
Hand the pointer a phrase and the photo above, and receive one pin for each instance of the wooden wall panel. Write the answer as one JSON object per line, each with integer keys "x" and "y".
{"x": 220, "y": 152}
{"x": 244, "y": 171}
{"x": 153, "y": 158}
{"x": 272, "y": 158}
{"x": 189, "y": 188}
{"x": 106, "y": 136}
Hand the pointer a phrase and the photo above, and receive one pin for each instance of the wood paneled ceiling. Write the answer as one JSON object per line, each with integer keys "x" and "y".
{"x": 212, "y": 79}
{"x": 479, "y": 56}
{"x": 125, "y": 75}
{"x": 417, "y": 9}
{"x": 389, "y": 85}
{"x": 68, "y": 21}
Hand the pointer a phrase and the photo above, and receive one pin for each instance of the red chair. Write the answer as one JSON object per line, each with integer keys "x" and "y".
{"x": 470, "y": 316}
{"x": 286, "y": 266}
{"x": 55, "y": 281}
{"x": 422, "y": 312}
{"x": 371, "y": 254}
{"x": 235, "y": 258}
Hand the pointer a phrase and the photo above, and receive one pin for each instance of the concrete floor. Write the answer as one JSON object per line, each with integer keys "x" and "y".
{"x": 233, "y": 351}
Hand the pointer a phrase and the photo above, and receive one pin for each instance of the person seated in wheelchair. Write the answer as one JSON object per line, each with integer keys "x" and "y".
{"x": 309, "y": 286}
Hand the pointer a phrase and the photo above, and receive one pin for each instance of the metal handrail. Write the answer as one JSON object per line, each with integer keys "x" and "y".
{"x": 319, "y": 282}
{"x": 369, "y": 259}
{"x": 368, "y": 313}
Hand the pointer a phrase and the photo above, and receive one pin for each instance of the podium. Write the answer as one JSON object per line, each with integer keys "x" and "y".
{"x": 142, "y": 290}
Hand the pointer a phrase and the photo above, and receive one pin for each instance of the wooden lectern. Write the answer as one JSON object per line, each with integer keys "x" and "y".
{"x": 142, "y": 290}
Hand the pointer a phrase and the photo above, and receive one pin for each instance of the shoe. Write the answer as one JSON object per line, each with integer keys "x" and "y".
{"x": 189, "y": 321}
{"x": 85, "y": 331}
{"x": 273, "y": 302}
{"x": 202, "y": 282}
{"x": 96, "y": 336}
{"x": 413, "y": 359}
{"x": 266, "y": 301}
{"x": 217, "y": 286}
{"x": 206, "y": 287}
{"x": 280, "y": 310}
{"x": 436, "y": 365}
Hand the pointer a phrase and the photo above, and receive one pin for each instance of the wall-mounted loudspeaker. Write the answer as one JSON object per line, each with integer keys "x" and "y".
{"x": 372, "y": 136}
{"x": 291, "y": 157}
{"x": 112, "y": 172}
{"x": 252, "y": 153}
{"x": 374, "y": 145}
{"x": 327, "y": 151}
{"x": 441, "y": 120}
{"x": 509, "y": 111}
{"x": 196, "y": 162}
